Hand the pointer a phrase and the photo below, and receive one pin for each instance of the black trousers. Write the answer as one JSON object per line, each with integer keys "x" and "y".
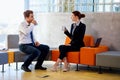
{"x": 66, "y": 48}
{"x": 32, "y": 51}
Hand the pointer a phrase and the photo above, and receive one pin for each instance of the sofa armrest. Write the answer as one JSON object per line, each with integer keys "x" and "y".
{"x": 88, "y": 54}
{"x": 103, "y": 48}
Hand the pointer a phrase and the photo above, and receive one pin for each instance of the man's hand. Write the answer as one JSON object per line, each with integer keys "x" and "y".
{"x": 37, "y": 43}
{"x": 34, "y": 22}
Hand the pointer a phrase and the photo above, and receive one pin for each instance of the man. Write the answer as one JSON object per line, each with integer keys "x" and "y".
{"x": 28, "y": 43}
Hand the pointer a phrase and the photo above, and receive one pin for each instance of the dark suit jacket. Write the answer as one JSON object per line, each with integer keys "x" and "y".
{"x": 78, "y": 35}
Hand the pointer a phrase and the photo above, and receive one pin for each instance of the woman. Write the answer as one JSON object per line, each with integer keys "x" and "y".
{"x": 76, "y": 35}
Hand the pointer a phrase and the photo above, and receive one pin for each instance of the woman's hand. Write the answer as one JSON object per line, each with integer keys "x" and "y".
{"x": 64, "y": 28}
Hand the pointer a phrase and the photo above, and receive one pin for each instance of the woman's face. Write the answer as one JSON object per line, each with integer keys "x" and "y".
{"x": 73, "y": 17}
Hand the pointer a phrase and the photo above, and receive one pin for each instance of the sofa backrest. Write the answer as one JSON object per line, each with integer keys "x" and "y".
{"x": 88, "y": 40}
{"x": 12, "y": 41}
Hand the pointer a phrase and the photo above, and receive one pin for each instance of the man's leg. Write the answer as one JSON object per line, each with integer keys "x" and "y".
{"x": 32, "y": 53}
{"x": 44, "y": 51}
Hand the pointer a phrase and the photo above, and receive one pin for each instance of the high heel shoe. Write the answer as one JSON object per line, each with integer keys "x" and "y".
{"x": 54, "y": 70}
{"x": 65, "y": 70}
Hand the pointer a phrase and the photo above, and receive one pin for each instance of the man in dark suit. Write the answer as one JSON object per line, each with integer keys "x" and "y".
{"x": 76, "y": 35}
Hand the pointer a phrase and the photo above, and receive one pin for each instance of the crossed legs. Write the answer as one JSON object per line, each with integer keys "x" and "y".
{"x": 63, "y": 56}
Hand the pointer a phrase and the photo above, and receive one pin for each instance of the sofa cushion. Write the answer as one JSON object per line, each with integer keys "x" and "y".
{"x": 3, "y": 57}
{"x": 108, "y": 59}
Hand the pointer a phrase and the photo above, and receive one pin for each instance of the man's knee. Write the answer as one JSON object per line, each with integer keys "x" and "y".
{"x": 47, "y": 47}
{"x": 36, "y": 52}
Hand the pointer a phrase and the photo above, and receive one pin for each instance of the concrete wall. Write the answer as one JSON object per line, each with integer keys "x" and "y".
{"x": 105, "y": 25}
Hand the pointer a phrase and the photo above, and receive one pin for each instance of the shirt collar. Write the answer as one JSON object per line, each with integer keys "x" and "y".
{"x": 77, "y": 24}
{"x": 27, "y": 23}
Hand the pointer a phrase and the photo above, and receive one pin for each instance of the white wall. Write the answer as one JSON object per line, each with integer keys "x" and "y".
{"x": 106, "y": 25}
{"x": 50, "y": 28}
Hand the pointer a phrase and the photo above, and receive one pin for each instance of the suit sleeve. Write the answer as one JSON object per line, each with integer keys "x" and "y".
{"x": 69, "y": 34}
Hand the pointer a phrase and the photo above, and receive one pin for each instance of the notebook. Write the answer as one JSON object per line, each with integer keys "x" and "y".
{"x": 97, "y": 43}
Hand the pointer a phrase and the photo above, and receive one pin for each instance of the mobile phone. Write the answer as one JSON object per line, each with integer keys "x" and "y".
{"x": 45, "y": 76}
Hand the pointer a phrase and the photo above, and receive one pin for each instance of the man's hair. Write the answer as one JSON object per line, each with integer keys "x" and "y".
{"x": 27, "y": 13}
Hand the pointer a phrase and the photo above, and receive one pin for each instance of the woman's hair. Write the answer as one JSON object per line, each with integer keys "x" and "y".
{"x": 27, "y": 13}
{"x": 77, "y": 13}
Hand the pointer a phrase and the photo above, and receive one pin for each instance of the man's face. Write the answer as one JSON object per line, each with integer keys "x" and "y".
{"x": 30, "y": 18}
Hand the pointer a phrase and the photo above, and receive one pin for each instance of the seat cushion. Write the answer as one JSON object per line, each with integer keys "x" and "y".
{"x": 10, "y": 56}
{"x": 18, "y": 55}
{"x": 55, "y": 54}
{"x": 73, "y": 57}
{"x": 3, "y": 57}
{"x": 108, "y": 59}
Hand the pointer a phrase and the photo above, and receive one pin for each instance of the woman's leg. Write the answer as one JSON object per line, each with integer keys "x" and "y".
{"x": 63, "y": 54}
{"x": 56, "y": 64}
{"x": 63, "y": 50}
{"x": 65, "y": 64}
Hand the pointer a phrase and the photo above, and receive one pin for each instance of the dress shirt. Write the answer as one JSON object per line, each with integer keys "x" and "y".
{"x": 74, "y": 26}
{"x": 24, "y": 32}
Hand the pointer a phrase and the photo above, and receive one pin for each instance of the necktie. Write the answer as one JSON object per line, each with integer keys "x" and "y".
{"x": 31, "y": 35}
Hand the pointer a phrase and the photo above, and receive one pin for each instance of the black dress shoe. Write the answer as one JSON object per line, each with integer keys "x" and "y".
{"x": 25, "y": 68}
{"x": 40, "y": 67}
